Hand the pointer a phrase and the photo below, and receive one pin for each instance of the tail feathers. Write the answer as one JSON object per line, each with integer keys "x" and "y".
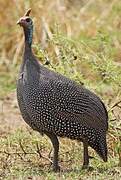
{"x": 103, "y": 152}
{"x": 100, "y": 146}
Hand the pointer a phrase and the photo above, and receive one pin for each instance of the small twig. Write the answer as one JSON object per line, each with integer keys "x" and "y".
{"x": 114, "y": 114}
{"x": 22, "y": 153}
{"x": 38, "y": 150}
{"x": 113, "y": 119}
{"x": 40, "y": 155}
{"x": 21, "y": 157}
{"x": 21, "y": 146}
{"x": 116, "y": 104}
{"x": 16, "y": 153}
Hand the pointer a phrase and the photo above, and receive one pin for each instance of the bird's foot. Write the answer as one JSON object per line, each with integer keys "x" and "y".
{"x": 56, "y": 168}
{"x": 87, "y": 167}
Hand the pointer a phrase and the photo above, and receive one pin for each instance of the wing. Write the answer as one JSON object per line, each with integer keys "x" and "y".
{"x": 79, "y": 104}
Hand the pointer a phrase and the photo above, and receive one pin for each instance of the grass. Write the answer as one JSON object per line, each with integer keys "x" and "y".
{"x": 22, "y": 160}
{"x": 82, "y": 40}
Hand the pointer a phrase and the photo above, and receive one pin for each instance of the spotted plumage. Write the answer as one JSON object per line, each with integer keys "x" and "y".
{"x": 57, "y": 106}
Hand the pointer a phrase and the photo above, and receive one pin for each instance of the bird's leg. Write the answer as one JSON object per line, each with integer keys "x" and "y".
{"x": 55, "y": 143}
{"x": 86, "y": 156}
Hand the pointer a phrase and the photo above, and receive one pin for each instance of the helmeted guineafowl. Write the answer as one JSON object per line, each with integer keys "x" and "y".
{"x": 57, "y": 106}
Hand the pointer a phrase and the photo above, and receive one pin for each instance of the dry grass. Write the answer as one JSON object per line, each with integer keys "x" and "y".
{"x": 74, "y": 19}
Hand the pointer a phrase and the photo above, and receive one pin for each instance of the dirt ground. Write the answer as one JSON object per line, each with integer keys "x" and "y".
{"x": 10, "y": 117}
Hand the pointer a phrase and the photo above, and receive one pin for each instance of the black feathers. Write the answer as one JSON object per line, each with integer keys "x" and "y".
{"x": 57, "y": 106}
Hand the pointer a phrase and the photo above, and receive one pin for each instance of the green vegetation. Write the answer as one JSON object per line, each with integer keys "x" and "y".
{"x": 82, "y": 40}
{"x": 27, "y": 155}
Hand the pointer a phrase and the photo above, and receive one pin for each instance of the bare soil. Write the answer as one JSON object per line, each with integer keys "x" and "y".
{"x": 10, "y": 117}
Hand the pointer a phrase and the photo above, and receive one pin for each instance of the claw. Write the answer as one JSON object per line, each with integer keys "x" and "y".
{"x": 56, "y": 168}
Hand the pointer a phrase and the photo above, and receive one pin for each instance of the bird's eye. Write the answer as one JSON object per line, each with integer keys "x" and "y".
{"x": 28, "y": 20}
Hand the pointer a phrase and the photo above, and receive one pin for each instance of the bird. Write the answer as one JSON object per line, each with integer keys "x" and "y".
{"x": 57, "y": 106}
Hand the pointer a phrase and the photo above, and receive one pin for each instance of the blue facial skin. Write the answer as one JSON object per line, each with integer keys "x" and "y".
{"x": 29, "y": 33}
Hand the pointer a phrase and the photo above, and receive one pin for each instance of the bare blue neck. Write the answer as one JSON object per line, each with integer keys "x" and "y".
{"x": 28, "y": 54}
{"x": 28, "y": 32}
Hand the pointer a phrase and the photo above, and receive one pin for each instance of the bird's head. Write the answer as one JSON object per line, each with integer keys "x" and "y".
{"x": 27, "y": 24}
{"x": 26, "y": 21}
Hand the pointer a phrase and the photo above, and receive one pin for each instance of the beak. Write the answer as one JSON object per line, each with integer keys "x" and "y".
{"x": 18, "y": 22}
